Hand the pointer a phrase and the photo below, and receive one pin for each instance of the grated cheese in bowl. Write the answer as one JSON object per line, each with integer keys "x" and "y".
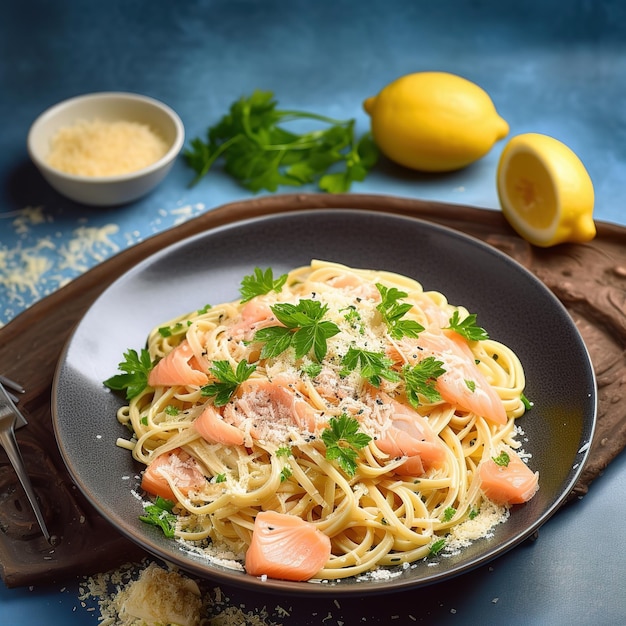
{"x": 105, "y": 148}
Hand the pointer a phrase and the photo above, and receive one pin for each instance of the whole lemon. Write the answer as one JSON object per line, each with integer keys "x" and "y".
{"x": 434, "y": 121}
{"x": 545, "y": 191}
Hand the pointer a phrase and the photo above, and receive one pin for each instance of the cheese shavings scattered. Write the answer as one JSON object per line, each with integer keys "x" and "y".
{"x": 146, "y": 594}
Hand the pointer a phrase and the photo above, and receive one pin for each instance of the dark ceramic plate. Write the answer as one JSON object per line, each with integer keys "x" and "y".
{"x": 511, "y": 304}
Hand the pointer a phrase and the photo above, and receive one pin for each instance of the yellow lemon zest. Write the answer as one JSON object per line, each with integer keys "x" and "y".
{"x": 434, "y": 121}
{"x": 545, "y": 191}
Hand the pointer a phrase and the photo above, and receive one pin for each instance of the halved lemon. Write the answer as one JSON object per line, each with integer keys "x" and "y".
{"x": 545, "y": 191}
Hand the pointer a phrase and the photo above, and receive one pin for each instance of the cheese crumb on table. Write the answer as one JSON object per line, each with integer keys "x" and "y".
{"x": 146, "y": 594}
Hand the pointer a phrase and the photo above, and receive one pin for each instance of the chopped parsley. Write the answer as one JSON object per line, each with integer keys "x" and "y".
{"x": 283, "y": 451}
{"x": 168, "y": 331}
{"x": 227, "y": 380}
{"x": 260, "y": 283}
{"x": 343, "y": 440}
{"x": 160, "y": 514}
{"x": 503, "y": 459}
{"x": 436, "y": 547}
{"x": 353, "y": 317}
{"x": 172, "y": 410}
{"x": 304, "y": 330}
{"x": 392, "y": 311}
{"x": 136, "y": 368}
{"x": 220, "y": 478}
{"x": 526, "y": 402}
{"x": 285, "y": 473}
{"x": 470, "y": 384}
{"x": 467, "y": 327}
{"x": 449, "y": 513}
{"x": 312, "y": 369}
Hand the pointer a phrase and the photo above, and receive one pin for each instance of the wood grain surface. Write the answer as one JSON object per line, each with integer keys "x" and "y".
{"x": 589, "y": 279}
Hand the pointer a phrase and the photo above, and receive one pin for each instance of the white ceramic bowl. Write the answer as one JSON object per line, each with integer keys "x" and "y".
{"x": 108, "y": 107}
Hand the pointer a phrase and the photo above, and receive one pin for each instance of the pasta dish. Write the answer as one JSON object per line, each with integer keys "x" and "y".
{"x": 330, "y": 422}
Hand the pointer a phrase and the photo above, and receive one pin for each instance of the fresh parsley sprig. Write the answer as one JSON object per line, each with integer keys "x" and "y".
{"x": 259, "y": 152}
{"x": 227, "y": 380}
{"x": 136, "y": 367}
{"x": 374, "y": 366}
{"x": 392, "y": 311}
{"x": 420, "y": 380}
{"x": 303, "y": 328}
{"x": 259, "y": 283}
{"x": 343, "y": 440}
{"x": 160, "y": 514}
{"x": 467, "y": 327}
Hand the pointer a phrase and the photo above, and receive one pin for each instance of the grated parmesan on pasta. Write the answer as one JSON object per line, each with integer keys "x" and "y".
{"x": 99, "y": 148}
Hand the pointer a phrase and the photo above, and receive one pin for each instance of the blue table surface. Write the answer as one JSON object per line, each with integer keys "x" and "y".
{"x": 550, "y": 66}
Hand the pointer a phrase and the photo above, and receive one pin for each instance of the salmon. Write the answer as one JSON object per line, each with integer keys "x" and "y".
{"x": 461, "y": 372}
{"x": 271, "y": 402}
{"x": 211, "y": 426}
{"x": 410, "y": 435}
{"x": 356, "y": 286}
{"x": 435, "y": 316}
{"x": 254, "y": 316}
{"x": 178, "y": 367}
{"x": 177, "y": 466}
{"x": 514, "y": 484}
{"x": 286, "y": 547}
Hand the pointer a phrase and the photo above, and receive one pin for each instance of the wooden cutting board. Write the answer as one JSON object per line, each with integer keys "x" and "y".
{"x": 589, "y": 279}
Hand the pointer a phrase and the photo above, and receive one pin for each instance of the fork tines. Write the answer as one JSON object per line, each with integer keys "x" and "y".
{"x": 13, "y": 386}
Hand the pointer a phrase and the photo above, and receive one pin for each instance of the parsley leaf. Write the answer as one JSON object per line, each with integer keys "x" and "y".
{"x": 160, "y": 514}
{"x": 304, "y": 330}
{"x": 449, "y": 513}
{"x": 227, "y": 380}
{"x": 467, "y": 328}
{"x": 260, "y": 283}
{"x": 420, "y": 379}
{"x": 392, "y": 311}
{"x": 312, "y": 370}
{"x": 261, "y": 153}
{"x": 503, "y": 459}
{"x": 342, "y": 440}
{"x": 135, "y": 379}
{"x": 374, "y": 365}
{"x": 436, "y": 547}
{"x": 526, "y": 402}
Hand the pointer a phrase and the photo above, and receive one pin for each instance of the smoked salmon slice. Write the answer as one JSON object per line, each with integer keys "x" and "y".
{"x": 410, "y": 435}
{"x": 463, "y": 384}
{"x": 212, "y": 427}
{"x": 513, "y": 483}
{"x": 286, "y": 547}
{"x": 274, "y": 401}
{"x": 178, "y": 367}
{"x": 254, "y": 316}
{"x": 181, "y": 468}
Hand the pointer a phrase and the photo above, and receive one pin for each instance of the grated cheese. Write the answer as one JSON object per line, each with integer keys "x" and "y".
{"x": 99, "y": 148}
{"x": 146, "y": 594}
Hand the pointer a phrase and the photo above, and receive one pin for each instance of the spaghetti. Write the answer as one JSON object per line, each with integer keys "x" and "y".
{"x": 247, "y": 398}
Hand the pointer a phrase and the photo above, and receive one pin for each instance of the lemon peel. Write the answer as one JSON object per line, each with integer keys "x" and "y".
{"x": 545, "y": 191}
{"x": 434, "y": 121}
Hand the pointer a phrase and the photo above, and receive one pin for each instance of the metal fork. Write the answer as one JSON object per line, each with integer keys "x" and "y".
{"x": 10, "y": 419}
